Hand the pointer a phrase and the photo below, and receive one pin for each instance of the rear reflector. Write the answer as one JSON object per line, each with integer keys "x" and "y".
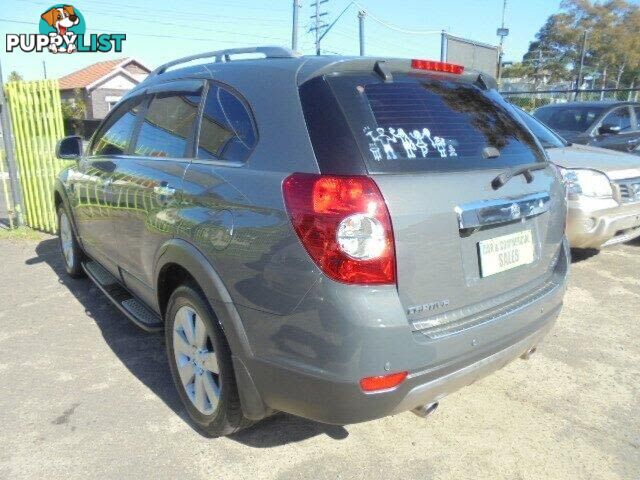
{"x": 434, "y": 66}
{"x": 384, "y": 382}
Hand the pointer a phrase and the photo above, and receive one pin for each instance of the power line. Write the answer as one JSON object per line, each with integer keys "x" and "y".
{"x": 319, "y": 22}
{"x": 395, "y": 27}
{"x": 142, "y": 34}
{"x": 170, "y": 14}
{"x": 173, "y": 24}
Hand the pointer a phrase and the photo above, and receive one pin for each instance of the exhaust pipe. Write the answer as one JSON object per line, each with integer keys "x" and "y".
{"x": 425, "y": 410}
{"x": 527, "y": 355}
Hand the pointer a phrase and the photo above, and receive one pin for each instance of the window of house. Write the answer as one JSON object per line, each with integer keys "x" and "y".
{"x": 112, "y": 102}
{"x": 168, "y": 125}
{"x": 227, "y": 131}
{"x": 114, "y": 135}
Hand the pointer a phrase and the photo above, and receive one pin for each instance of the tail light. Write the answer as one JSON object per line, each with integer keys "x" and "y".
{"x": 434, "y": 66}
{"x": 344, "y": 225}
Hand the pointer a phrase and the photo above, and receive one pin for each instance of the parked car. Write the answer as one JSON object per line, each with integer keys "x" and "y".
{"x": 603, "y": 189}
{"x": 338, "y": 238}
{"x": 612, "y": 125}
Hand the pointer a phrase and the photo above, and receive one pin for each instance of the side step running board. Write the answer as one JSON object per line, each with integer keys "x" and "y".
{"x": 121, "y": 298}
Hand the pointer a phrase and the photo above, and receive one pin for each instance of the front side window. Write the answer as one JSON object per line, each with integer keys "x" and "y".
{"x": 168, "y": 125}
{"x": 637, "y": 110}
{"x": 114, "y": 136}
{"x": 620, "y": 117}
{"x": 227, "y": 131}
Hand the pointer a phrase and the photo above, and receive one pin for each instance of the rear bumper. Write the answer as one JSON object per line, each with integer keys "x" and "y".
{"x": 317, "y": 377}
{"x": 327, "y": 400}
{"x": 597, "y": 223}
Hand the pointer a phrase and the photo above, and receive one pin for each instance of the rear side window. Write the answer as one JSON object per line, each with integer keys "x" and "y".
{"x": 227, "y": 131}
{"x": 569, "y": 119}
{"x": 168, "y": 125}
{"x": 417, "y": 123}
{"x": 547, "y": 138}
{"x": 113, "y": 137}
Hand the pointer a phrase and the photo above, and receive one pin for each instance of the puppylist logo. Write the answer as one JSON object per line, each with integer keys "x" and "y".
{"x": 62, "y": 29}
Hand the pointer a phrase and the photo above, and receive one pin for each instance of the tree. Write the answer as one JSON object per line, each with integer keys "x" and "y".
{"x": 74, "y": 110}
{"x": 15, "y": 77}
{"x": 517, "y": 70}
{"x": 613, "y": 44}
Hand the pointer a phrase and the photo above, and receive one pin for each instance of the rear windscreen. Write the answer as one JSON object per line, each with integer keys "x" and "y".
{"x": 423, "y": 124}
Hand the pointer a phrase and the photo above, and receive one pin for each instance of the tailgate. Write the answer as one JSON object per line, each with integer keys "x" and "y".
{"x": 440, "y": 263}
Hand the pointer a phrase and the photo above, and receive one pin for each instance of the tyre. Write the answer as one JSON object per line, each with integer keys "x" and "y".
{"x": 72, "y": 254}
{"x": 201, "y": 366}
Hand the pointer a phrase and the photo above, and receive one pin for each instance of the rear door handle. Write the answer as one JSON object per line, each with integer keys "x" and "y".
{"x": 633, "y": 141}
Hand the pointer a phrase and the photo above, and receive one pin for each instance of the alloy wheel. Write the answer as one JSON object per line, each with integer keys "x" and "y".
{"x": 196, "y": 360}
{"x": 66, "y": 240}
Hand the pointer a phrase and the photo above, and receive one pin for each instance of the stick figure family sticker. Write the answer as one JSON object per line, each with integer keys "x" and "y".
{"x": 416, "y": 143}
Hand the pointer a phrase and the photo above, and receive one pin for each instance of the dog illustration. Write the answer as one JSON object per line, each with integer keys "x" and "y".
{"x": 61, "y": 19}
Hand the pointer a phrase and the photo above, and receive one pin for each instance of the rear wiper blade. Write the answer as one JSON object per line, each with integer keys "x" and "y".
{"x": 525, "y": 170}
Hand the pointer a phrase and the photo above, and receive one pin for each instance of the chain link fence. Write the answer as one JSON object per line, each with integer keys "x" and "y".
{"x": 6, "y": 203}
{"x": 530, "y": 100}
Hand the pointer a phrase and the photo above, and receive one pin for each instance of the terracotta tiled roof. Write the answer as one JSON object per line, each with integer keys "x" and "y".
{"x": 88, "y": 75}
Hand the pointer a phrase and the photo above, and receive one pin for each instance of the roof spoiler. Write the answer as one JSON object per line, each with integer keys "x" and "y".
{"x": 225, "y": 56}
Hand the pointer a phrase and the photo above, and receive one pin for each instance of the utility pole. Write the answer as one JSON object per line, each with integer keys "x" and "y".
{"x": 44, "y": 69}
{"x": 319, "y": 23}
{"x": 361, "y": 15}
{"x": 294, "y": 31}
{"x": 7, "y": 136}
{"x": 502, "y": 33}
{"x": 582, "y": 53}
{"x": 443, "y": 46}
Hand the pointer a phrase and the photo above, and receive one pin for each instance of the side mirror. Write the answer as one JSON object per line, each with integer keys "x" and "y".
{"x": 609, "y": 129}
{"x": 69, "y": 148}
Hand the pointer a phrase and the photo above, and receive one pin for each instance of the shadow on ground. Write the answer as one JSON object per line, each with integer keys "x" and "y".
{"x": 144, "y": 356}
{"x": 582, "y": 254}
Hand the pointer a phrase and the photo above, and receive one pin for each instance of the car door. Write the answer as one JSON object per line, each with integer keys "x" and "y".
{"x": 148, "y": 181}
{"x": 92, "y": 184}
{"x": 634, "y": 143}
{"x": 624, "y": 140}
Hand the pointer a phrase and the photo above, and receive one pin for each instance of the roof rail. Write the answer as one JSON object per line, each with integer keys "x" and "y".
{"x": 225, "y": 56}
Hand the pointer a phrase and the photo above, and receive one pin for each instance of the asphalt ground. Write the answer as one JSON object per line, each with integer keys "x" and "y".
{"x": 84, "y": 394}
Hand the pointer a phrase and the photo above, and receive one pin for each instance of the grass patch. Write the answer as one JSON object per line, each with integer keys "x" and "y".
{"x": 20, "y": 233}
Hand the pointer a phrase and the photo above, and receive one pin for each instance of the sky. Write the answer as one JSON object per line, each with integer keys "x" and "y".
{"x": 160, "y": 30}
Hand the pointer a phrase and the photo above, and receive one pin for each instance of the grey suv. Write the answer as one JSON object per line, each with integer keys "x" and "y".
{"x": 337, "y": 238}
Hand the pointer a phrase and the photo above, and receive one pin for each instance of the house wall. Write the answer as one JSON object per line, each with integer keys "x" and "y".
{"x": 116, "y": 86}
{"x": 136, "y": 69}
{"x": 99, "y": 104}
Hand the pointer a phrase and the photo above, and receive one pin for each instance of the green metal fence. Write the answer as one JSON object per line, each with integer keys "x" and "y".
{"x": 36, "y": 117}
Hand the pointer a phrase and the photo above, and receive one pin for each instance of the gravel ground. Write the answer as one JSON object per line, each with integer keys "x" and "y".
{"x": 84, "y": 393}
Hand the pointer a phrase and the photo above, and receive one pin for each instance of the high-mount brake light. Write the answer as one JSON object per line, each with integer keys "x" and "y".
{"x": 434, "y": 66}
{"x": 344, "y": 224}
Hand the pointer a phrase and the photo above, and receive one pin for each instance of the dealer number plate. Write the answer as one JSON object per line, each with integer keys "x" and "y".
{"x": 506, "y": 252}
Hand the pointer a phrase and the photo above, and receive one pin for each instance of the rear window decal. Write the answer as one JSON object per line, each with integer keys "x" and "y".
{"x": 416, "y": 143}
